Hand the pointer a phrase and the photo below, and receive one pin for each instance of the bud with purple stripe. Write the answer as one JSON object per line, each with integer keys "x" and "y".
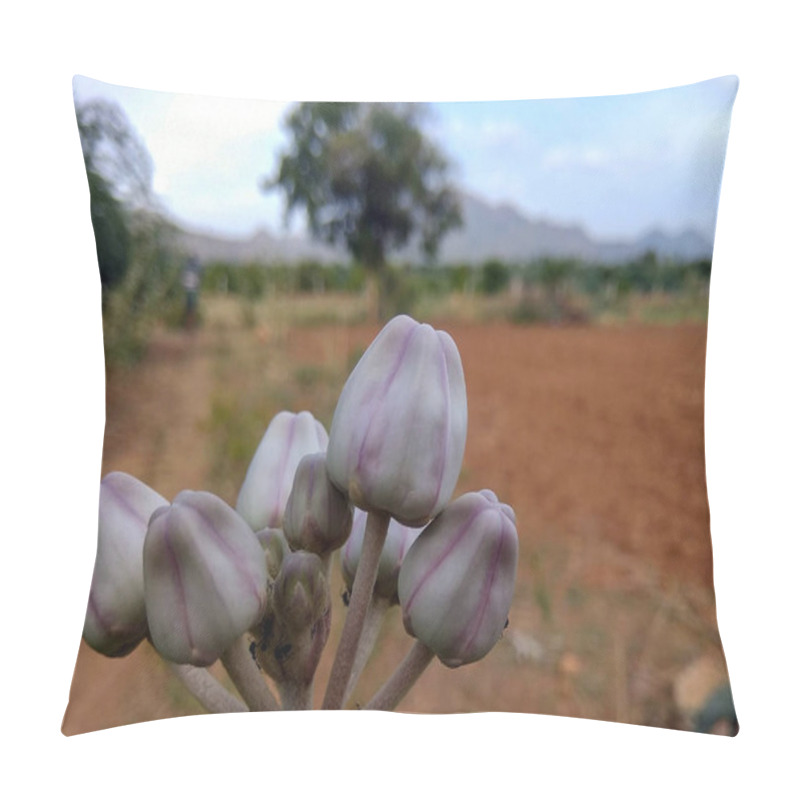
{"x": 457, "y": 579}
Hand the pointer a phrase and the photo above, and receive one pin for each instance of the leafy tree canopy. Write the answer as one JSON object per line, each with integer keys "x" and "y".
{"x": 367, "y": 178}
{"x": 119, "y": 171}
{"x": 112, "y": 150}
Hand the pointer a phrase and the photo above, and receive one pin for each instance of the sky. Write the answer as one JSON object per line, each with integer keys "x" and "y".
{"x": 618, "y": 165}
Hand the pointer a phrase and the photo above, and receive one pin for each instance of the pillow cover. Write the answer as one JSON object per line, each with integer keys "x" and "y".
{"x": 439, "y": 449}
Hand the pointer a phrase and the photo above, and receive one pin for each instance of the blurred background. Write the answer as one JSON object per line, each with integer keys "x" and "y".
{"x": 566, "y": 245}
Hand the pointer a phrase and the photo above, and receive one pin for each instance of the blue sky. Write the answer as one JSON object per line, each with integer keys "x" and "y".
{"x": 617, "y": 165}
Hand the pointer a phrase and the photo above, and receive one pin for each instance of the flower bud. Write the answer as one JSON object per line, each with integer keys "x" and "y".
{"x": 275, "y": 548}
{"x": 291, "y": 635}
{"x": 400, "y": 426}
{"x": 301, "y": 594}
{"x": 398, "y": 539}
{"x": 457, "y": 579}
{"x": 205, "y": 578}
{"x": 318, "y": 517}
{"x": 115, "y": 617}
{"x": 269, "y": 478}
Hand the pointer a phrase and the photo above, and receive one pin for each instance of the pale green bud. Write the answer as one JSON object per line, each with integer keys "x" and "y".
{"x": 205, "y": 578}
{"x": 318, "y": 516}
{"x": 291, "y": 635}
{"x": 301, "y": 593}
{"x": 457, "y": 579}
{"x": 268, "y": 482}
{"x": 400, "y": 426}
{"x": 398, "y": 539}
{"x": 275, "y": 547}
{"x": 116, "y": 620}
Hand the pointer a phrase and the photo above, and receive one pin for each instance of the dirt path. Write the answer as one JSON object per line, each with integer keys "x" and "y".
{"x": 156, "y": 413}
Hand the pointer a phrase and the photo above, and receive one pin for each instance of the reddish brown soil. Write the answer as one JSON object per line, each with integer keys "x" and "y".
{"x": 594, "y": 435}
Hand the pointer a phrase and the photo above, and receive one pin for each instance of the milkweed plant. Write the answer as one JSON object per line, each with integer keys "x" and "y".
{"x": 250, "y": 586}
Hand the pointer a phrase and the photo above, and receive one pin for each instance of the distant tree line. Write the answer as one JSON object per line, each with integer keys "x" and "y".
{"x": 256, "y": 280}
{"x": 646, "y": 274}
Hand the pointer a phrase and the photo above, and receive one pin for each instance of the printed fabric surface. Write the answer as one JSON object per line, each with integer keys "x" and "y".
{"x": 404, "y": 407}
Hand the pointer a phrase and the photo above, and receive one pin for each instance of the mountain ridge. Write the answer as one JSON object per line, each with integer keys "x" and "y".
{"x": 499, "y": 231}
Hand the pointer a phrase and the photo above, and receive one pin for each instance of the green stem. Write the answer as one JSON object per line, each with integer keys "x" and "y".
{"x": 247, "y": 677}
{"x": 403, "y": 678}
{"x": 363, "y": 585}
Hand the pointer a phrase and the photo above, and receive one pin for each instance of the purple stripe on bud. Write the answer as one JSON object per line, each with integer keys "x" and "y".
{"x": 116, "y": 620}
{"x": 205, "y": 578}
{"x": 318, "y": 517}
{"x": 399, "y": 429}
{"x": 268, "y": 482}
{"x": 457, "y": 579}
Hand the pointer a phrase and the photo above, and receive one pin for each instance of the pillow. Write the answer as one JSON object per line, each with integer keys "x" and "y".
{"x": 434, "y": 445}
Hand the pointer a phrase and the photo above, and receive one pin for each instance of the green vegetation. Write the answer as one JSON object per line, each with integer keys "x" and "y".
{"x": 149, "y": 293}
{"x": 119, "y": 172}
{"x": 260, "y": 280}
{"x": 495, "y": 276}
{"x": 544, "y": 291}
{"x": 138, "y": 262}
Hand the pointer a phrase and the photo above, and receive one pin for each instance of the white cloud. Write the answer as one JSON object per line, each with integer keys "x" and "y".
{"x": 195, "y": 131}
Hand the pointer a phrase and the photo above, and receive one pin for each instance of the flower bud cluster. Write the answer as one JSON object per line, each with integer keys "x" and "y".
{"x": 396, "y": 445}
{"x": 195, "y": 575}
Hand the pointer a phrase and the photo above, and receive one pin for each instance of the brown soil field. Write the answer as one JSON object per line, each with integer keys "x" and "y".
{"x": 593, "y": 434}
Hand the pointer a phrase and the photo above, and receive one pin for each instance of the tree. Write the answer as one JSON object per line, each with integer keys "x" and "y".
{"x": 119, "y": 172}
{"x": 138, "y": 261}
{"x": 112, "y": 150}
{"x": 111, "y": 235}
{"x": 367, "y": 178}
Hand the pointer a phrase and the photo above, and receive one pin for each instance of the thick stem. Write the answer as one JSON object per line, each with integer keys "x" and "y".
{"x": 295, "y": 696}
{"x": 369, "y": 636}
{"x": 208, "y": 691}
{"x": 247, "y": 678}
{"x": 327, "y": 565}
{"x": 403, "y": 678}
{"x": 363, "y": 584}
